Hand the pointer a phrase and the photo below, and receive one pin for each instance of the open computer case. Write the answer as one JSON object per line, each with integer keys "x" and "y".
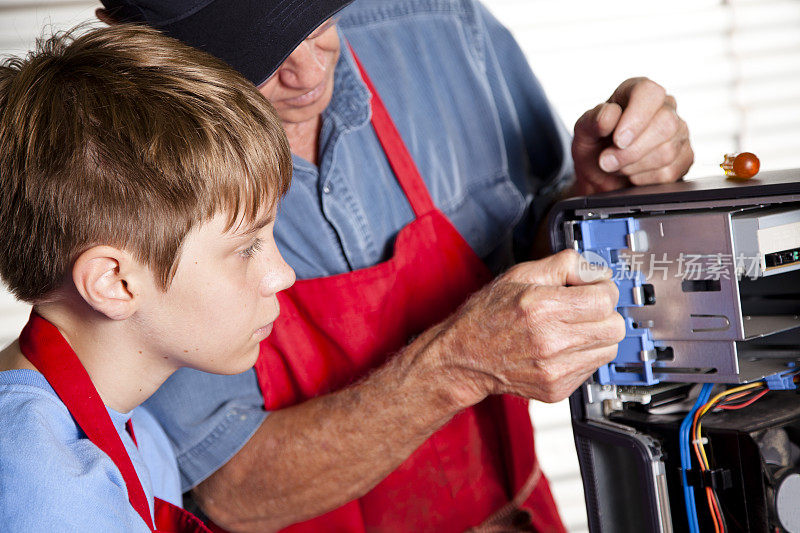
{"x": 709, "y": 279}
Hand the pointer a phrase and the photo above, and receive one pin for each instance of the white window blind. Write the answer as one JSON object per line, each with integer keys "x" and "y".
{"x": 733, "y": 65}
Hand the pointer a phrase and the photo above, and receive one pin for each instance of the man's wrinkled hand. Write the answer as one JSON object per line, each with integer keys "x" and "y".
{"x": 635, "y": 138}
{"x": 538, "y": 331}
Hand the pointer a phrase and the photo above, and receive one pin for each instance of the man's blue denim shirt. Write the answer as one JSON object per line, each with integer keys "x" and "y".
{"x": 483, "y": 135}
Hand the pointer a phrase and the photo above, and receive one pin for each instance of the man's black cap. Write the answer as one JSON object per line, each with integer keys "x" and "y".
{"x": 252, "y": 36}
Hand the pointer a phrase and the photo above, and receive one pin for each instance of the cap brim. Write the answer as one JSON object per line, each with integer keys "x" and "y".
{"x": 251, "y": 38}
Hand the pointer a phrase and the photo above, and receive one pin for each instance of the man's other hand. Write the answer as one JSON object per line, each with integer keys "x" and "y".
{"x": 635, "y": 138}
{"x": 538, "y": 331}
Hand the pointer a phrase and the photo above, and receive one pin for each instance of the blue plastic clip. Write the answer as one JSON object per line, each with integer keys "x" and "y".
{"x": 601, "y": 243}
{"x": 782, "y": 380}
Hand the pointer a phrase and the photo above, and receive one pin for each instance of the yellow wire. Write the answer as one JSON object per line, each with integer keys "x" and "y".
{"x": 703, "y": 410}
{"x": 713, "y": 401}
{"x": 740, "y": 388}
{"x": 702, "y": 448}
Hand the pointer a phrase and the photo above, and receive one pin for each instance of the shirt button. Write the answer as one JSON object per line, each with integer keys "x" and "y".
{"x": 327, "y": 189}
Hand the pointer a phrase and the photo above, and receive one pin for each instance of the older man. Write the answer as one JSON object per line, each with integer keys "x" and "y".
{"x": 425, "y": 157}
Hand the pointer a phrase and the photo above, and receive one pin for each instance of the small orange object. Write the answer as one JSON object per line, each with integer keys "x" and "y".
{"x": 743, "y": 165}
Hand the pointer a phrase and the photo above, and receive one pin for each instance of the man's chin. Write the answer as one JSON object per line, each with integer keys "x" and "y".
{"x": 290, "y": 115}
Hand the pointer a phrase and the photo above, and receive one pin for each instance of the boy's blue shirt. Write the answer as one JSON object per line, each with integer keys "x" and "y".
{"x": 487, "y": 143}
{"x": 52, "y": 478}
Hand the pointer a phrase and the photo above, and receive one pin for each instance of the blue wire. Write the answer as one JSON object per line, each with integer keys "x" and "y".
{"x": 686, "y": 459}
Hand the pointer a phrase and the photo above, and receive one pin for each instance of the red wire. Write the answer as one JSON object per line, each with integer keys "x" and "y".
{"x": 694, "y": 440}
{"x": 738, "y": 395}
{"x": 713, "y": 505}
{"x": 713, "y": 509}
{"x": 745, "y": 404}
{"x": 709, "y": 495}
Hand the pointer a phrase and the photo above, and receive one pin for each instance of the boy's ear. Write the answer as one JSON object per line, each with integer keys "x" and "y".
{"x": 109, "y": 280}
{"x": 105, "y": 16}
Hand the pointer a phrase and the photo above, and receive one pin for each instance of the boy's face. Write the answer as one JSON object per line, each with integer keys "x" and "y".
{"x": 222, "y": 301}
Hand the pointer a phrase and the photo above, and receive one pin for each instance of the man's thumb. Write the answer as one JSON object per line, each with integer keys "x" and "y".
{"x": 564, "y": 268}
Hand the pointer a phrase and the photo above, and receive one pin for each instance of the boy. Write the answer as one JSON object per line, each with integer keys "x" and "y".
{"x": 138, "y": 185}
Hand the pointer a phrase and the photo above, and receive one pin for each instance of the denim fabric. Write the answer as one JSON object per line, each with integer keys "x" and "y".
{"x": 482, "y": 134}
{"x": 52, "y": 478}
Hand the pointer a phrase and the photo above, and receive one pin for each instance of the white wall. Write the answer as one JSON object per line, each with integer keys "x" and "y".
{"x": 734, "y": 66}
{"x": 21, "y": 22}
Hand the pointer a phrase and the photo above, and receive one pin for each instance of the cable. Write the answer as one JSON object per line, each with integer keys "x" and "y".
{"x": 686, "y": 459}
{"x": 733, "y": 394}
{"x": 746, "y": 403}
{"x": 696, "y": 426}
{"x": 723, "y": 522}
{"x": 710, "y": 498}
{"x": 734, "y": 397}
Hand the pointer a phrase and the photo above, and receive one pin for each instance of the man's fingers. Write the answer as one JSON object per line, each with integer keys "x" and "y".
{"x": 593, "y": 359}
{"x": 664, "y": 126}
{"x": 583, "y": 273}
{"x": 640, "y": 99}
{"x": 622, "y": 93}
{"x": 659, "y": 157}
{"x": 636, "y": 137}
{"x": 567, "y": 267}
{"x": 584, "y": 336}
{"x": 597, "y": 335}
{"x": 596, "y": 181}
{"x": 576, "y": 304}
{"x": 596, "y": 124}
{"x": 672, "y": 172}
{"x": 569, "y": 372}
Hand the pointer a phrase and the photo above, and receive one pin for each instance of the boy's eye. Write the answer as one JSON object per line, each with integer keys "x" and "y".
{"x": 251, "y": 250}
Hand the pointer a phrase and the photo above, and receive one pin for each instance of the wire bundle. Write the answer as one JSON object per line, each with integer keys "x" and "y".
{"x": 734, "y": 398}
{"x": 686, "y": 459}
{"x": 690, "y": 435}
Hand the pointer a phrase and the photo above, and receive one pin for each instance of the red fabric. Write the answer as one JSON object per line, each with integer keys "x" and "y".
{"x": 47, "y": 350}
{"x": 173, "y": 519}
{"x": 334, "y": 330}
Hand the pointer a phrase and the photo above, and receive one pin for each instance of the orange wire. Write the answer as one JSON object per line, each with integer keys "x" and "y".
{"x": 745, "y": 404}
{"x": 709, "y": 496}
{"x": 716, "y": 512}
{"x": 712, "y": 507}
{"x": 736, "y": 396}
{"x": 695, "y": 438}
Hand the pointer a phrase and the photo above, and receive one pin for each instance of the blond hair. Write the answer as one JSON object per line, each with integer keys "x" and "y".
{"x": 125, "y": 137}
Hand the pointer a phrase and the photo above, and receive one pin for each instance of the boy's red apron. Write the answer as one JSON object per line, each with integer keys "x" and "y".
{"x": 334, "y": 330}
{"x": 43, "y": 345}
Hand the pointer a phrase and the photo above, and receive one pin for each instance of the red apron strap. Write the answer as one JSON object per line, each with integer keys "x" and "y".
{"x": 43, "y": 345}
{"x": 396, "y": 152}
{"x": 129, "y": 429}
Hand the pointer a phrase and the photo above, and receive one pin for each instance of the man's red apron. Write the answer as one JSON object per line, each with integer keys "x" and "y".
{"x": 334, "y": 330}
{"x": 42, "y": 344}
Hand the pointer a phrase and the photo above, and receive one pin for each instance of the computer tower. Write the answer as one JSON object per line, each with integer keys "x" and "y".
{"x": 709, "y": 279}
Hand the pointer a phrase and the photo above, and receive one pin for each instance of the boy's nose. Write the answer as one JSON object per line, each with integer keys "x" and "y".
{"x": 289, "y": 276}
{"x": 277, "y": 279}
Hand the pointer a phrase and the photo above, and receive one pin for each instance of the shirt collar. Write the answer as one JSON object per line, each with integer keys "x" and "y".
{"x": 34, "y": 378}
{"x": 349, "y": 106}
{"x": 348, "y": 110}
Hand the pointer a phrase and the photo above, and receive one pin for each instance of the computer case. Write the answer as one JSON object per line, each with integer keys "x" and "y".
{"x": 733, "y": 318}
